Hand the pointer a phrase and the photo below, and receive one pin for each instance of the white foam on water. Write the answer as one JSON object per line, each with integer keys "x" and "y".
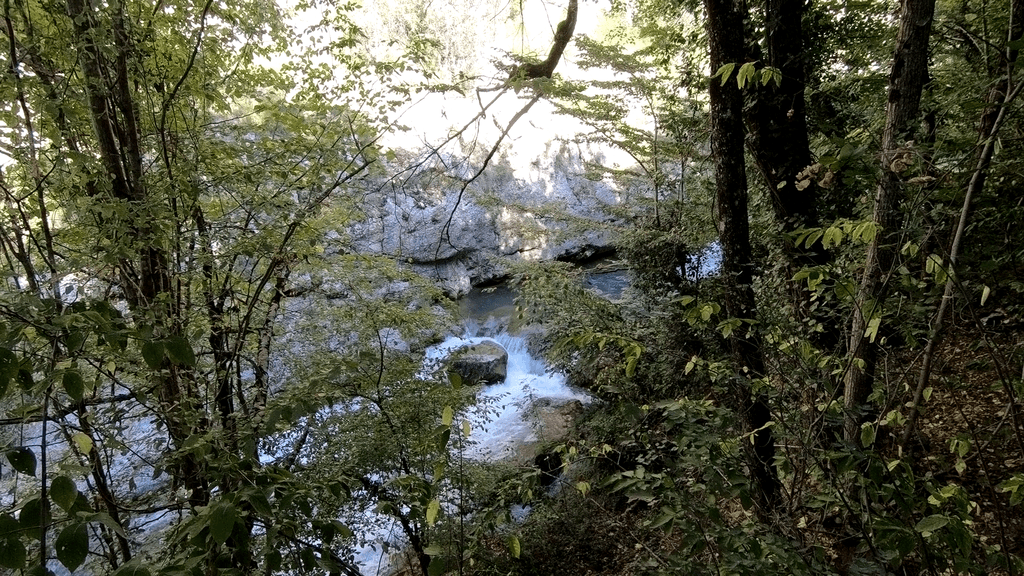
{"x": 500, "y": 423}
{"x": 505, "y": 423}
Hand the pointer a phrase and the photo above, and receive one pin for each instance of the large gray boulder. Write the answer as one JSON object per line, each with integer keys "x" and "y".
{"x": 551, "y": 421}
{"x": 485, "y": 362}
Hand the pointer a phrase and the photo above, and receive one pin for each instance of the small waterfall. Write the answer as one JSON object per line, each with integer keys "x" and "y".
{"x": 496, "y": 435}
{"x": 501, "y": 427}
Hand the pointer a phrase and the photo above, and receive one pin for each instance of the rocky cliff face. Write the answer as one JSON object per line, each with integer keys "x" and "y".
{"x": 521, "y": 208}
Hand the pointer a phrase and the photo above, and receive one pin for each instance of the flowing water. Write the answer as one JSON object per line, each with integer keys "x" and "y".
{"x": 496, "y": 432}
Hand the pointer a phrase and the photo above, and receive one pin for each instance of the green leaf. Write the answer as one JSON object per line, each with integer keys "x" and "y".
{"x": 87, "y": 515}
{"x": 432, "y": 510}
{"x": 8, "y": 369}
{"x": 931, "y": 523}
{"x": 180, "y": 351}
{"x": 12, "y": 553}
{"x": 436, "y": 568}
{"x": 308, "y": 558}
{"x": 726, "y": 328}
{"x": 872, "y": 330}
{"x": 75, "y": 341}
{"x": 222, "y": 521}
{"x": 665, "y": 518}
{"x": 32, "y": 514}
{"x": 82, "y": 442}
{"x": 466, "y": 429}
{"x": 1013, "y": 485}
{"x": 935, "y": 265}
{"x": 64, "y": 492}
{"x": 455, "y": 379}
{"x": 631, "y": 366}
{"x": 259, "y": 502}
{"x": 23, "y": 460}
{"x": 132, "y": 569}
{"x": 583, "y": 487}
{"x": 747, "y": 73}
{"x": 153, "y": 354}
{"x": 867, "y": 434}
{"x": 342, "y": 529}
{"x": 72, "y": 546}
{"x": 9, "y": 526}
{"x": 725, "y": 71}
{"x": 25, "y": 379}
{"x": 833, "y": 237}
{"x": 446, "y": 416}
{"x": 74, "y": 385}
{"x": 514, "y": 548}
{"x": 813, "y": 236}
{"x": 274, "y": 560}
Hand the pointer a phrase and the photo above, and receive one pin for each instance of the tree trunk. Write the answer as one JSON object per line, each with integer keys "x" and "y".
{"x": 997, "y": 103}
{"x": 725, "y": 37}
{"x": 906, "y": 83}
{"x": 777, "y": 126}
{"x": 146, "y": 275}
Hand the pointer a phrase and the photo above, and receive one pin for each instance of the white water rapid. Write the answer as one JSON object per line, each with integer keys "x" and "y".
{"x": 495, "y": 433}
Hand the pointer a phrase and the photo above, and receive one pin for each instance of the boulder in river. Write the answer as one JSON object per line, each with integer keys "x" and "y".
{"x": 485, "y": 362}
{"x": 551, "y": 420}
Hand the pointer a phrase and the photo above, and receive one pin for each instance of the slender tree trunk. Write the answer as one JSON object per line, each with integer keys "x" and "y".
{"x": 1001, "y": 95}
{"x": 146, "y": 277}
{"x": 906, "y": 82}
{"x": 102, "y": 484}
{"x": 725, "y": 37}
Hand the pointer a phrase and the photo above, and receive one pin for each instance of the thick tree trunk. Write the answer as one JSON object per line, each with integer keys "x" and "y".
{"x": 906, "y": 83}
{"x": 777, "y": 125}
{"x": 777, "y": 138}
{"x": 725, "y": 38}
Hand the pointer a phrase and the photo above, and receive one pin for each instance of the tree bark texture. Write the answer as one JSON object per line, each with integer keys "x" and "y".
{"x": 777, "y": 124}
{"x": 776, "y": 121}
{"x": 907, "y": 78}
{"x": 725, "y": 38}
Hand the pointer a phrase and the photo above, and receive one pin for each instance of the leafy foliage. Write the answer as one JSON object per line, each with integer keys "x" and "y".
{"x": 175, "y": 208}
{"x": 172, "y": 198}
